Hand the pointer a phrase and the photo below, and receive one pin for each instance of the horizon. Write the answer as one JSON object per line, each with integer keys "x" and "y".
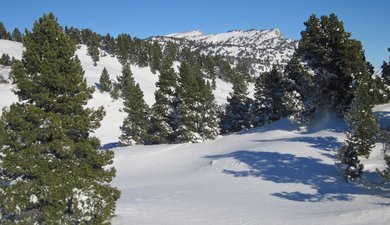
{"x": 366, "y": 21}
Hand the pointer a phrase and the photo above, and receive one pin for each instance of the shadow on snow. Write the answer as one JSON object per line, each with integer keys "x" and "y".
{"x": 328, "y": 144}
{"x": 324, "y": 179}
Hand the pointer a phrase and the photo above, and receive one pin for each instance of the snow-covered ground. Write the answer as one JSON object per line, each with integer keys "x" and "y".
{"x": 276, "y": 174}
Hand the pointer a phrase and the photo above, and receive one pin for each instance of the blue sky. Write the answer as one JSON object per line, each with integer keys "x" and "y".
{"x": 367, "y": 20}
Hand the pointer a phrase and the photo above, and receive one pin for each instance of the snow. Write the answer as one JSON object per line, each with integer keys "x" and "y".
{"x": 275, "y": 174}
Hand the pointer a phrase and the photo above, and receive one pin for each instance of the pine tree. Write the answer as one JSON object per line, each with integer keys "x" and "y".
{"x": 164, "y": 116}
{"x": 105, "y": 82}
{"x": 237, "y": 113}
{"x": 123, "y": 48}
{"x": 170, "y": 52}
{"x": 93, "y": 48}
{"x": 269, "y": 95}
{"x": 335, "y": 59}
{"x": 109, "y": 44}
{"x": 3, "y": 32}
{"x": 386, "y": 71}
{"x": 51, "y": 169}
{"x": 299, "y": 99}
{"x": 155, "y": 63}
{"x": 16, "y": 35}
{"x": 5, "y": 60}
{"x": 135, "y": 125}
{"x": 362, "y": 132}
{"x": 141, "y": 51}
{"x": 197, "y": 108}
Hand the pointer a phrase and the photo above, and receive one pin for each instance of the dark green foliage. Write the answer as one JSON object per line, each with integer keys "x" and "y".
{"x": 93, "y": 48}
{"x": 197, "y": 108}
{"x": 335, "y": 58}
{"x": 140, "y": 52}
{"x": 386, "y": 71}
{"x": 114, "y": 93}
{"x": 3, "y": 32}
{"x": 362, "y": 132}
{"x": 74, "y": 34}
{"x": 104, "y": 81}
{"x": 385, "y": 136}
{"x": 164, "y": 118}
{"x": 155, "y": 58}
{"x": 108, "y": 44}
{"x": 16, "y": 35}
{"x": 362, "y": 124}
{"x": 5, "y": 60}
{"x": 170, "y": 52}
{"x": 50, "y": 166}
{"x": 124, "y": 47}
{"x": 135, "y": 125}
{"x": 237, "y": 115}
{"x": 299, "y": 98}
{"x": 268, "y": 103}
{"x": 350, "y": 165}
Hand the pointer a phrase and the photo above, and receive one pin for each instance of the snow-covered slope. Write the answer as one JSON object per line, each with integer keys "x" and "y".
{"x": 109, "y": 131}
{"x": 277, "y": 174}
{"x": 262, "y": 48}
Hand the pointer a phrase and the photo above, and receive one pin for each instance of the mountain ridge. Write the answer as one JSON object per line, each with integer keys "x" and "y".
{"x": 259, "y": 48}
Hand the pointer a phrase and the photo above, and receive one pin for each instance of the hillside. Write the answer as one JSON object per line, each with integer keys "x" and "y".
{"x": 109, "y": 131}
{"x": 260, "y": 48}
{"x": 275, "y": 174}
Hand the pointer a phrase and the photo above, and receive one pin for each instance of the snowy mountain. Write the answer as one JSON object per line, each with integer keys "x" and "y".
{"x": 261, "y": 48}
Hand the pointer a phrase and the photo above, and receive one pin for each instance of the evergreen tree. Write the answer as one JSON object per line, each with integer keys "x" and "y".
{"x": 362, "y": 132}
{"x": 156, "y": 55}
{"x": 170, "y": 52}
{"x": 74, "y": 34}
{"x": 386, "y": 71}
{"x": 164, "y": 118}
{"x": 335, "y": 59}
{"x": 141, "y": 53}
{"x": 385, "y": 173}
{"x": 5, "y": 60}
{"x": 269, "y": 95}
{"x": 93, "y": 48}
{"x": 109, "y": 44}
{"x": 299, "y": 98}
{"x": 105, "y": 82}
{"x": 135, "y": 125}
{"x": 210, "y": 70}
{"x": 16, "y": 35}
{"x": 237, "y": 113}
{"x": 123, "y": 48}
{"x": 51, "y": 169}
{"x": 3, "y": 32}
{"x": 197, "y": 108}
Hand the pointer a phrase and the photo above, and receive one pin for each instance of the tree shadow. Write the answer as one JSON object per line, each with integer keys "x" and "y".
{"x": 324, "y": 179}
{"x": 328, "y": 144}
{"x": 280, "y": 125}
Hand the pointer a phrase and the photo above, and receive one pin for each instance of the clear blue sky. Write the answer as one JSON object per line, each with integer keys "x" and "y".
{"x": 367, "y": 20}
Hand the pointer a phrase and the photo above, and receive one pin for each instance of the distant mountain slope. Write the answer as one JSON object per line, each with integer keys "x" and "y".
{"x": 261, "y": 48}
{"x": 109, "y": 131}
